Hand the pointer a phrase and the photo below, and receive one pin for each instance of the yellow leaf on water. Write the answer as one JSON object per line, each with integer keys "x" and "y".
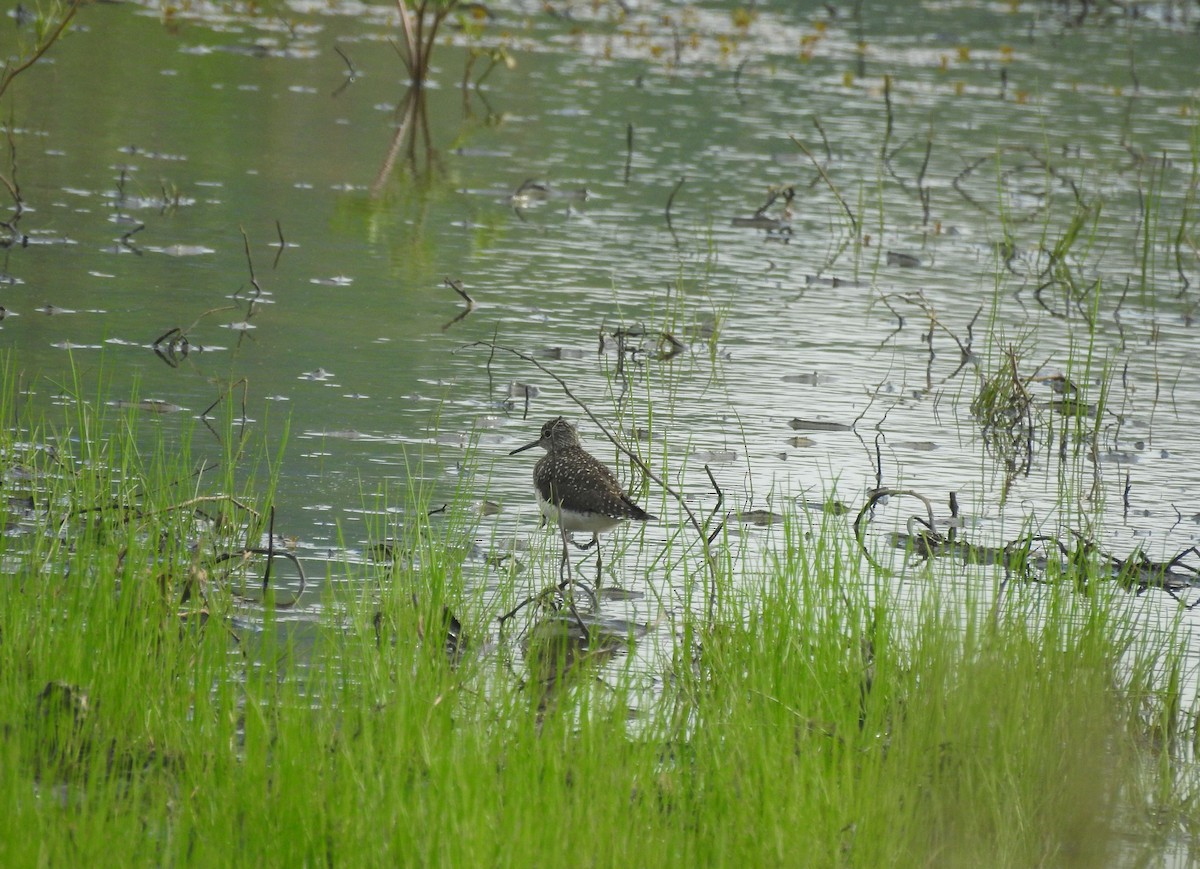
{"x": 743, "y": 17}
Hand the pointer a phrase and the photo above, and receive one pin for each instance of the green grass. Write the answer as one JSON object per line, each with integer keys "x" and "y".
{"x": 821, "y": 718}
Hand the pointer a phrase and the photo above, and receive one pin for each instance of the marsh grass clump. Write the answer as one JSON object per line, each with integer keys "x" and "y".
{"x": 1007, "y": 417}
{"x": 811, "y": 709}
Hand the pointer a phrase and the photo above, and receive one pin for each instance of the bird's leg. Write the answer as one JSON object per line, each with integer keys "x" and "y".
{"x": 567, "y": 580}
{"x": 564, "y": 567}
{"x": 599, "y": 578}
{"x": 587, "y": 545}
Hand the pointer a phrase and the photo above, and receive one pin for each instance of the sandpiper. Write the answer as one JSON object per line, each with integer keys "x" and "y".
{"x": 576, "y": 490}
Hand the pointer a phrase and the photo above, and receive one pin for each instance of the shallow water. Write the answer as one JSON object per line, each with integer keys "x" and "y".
{"x": 147, "y": 145}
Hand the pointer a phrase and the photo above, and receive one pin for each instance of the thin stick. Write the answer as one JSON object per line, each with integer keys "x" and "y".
{"x": 737, "y": 81}
{"x": 824, "y": 139}
{"x": 671, "y": 199}
{"x": 351, "y": 73}
{"x": 922, "y": 191}
{"x": 250, "y": 263}
{"x": 887, "y": 130}
{"x": 825, "y": 177}
{"x": 266, "y": 581}
{"x": 458, "y": 288}
{"x": 282, "y": 243}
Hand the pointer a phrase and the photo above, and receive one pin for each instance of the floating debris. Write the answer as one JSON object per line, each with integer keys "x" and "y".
{"x": 903, "y": 260}
{"x": 557, "y": 353}
{"x": 808, "y": 379}
{"x": 798, "y": 424}
{"x": 761, "y": 518}
{"x": 613, "y": 593}
{"x": 37, "y": 237}
{"x": 149, "y": 405}
{"x": 831, "y": 507}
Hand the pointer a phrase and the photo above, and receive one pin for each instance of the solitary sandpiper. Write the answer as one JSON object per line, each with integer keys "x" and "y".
{"x": 575, "y": 490}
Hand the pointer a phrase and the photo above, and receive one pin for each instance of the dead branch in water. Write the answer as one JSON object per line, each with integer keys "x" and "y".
{"x": 1021, "y": 556}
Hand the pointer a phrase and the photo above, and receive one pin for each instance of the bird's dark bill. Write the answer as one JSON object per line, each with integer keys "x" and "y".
{"x": 524, "y": 448}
